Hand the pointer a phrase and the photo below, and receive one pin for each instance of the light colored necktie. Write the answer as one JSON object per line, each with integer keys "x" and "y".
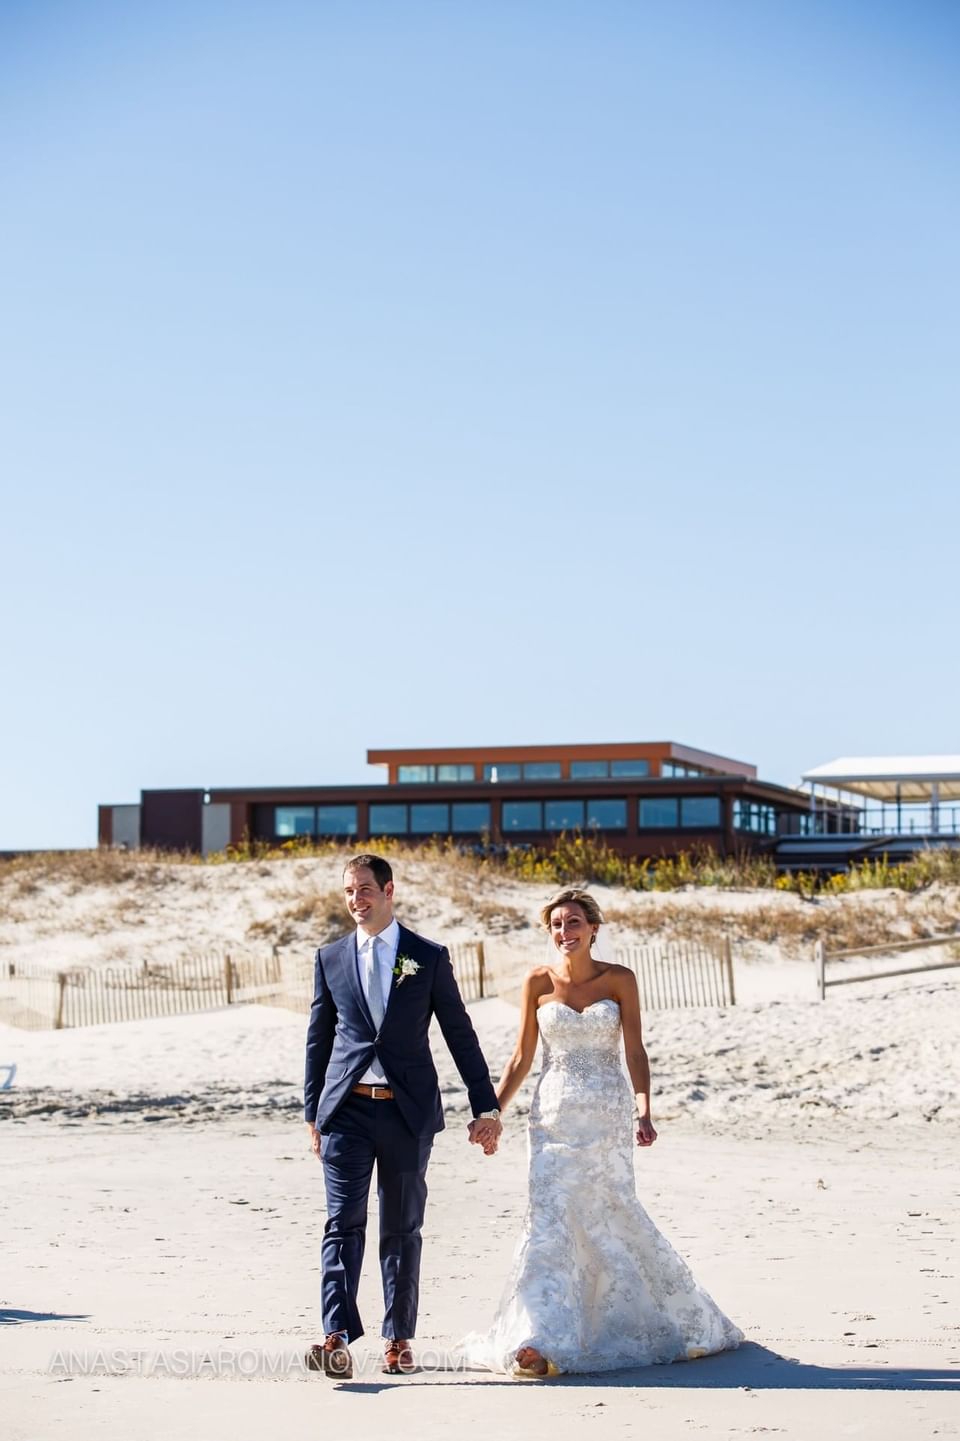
{"x": 374, "y": 986}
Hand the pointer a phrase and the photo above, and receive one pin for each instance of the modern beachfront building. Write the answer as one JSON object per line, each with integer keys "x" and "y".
{"x": 889, "y": 806}
{"x": 643, "y": 798}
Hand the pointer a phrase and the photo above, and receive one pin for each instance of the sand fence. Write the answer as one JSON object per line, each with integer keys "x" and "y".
{"x": 36, "y": 998}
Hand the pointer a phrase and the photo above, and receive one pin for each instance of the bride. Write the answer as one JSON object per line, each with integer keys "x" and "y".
{"x": 593, "y": 1285}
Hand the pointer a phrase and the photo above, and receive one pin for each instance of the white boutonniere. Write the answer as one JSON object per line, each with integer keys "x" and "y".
{"x": 406, "y": 966}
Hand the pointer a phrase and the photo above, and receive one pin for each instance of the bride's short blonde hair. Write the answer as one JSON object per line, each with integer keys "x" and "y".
{"x": 572, "y": 896}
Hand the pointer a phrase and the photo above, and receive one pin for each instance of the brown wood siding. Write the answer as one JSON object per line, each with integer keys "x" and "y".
{"x": 171, "y": 820}
{"x": 241, "y": 823}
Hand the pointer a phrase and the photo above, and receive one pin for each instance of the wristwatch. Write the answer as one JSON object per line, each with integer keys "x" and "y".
{"x": 489, "y": 1116}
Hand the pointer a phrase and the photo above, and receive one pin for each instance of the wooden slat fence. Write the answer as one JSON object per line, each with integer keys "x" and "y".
{"x": 295, "y": 987}
{"x": 28, "y": 996}
{"x": 470, "y": 968}
{"x": 679, "y": 974}
{"x": 39, "y": 999}
{"x": 34, "y": 998}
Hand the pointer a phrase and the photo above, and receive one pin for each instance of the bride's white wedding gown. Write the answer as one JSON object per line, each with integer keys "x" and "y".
{"x": 593, "y": 1286}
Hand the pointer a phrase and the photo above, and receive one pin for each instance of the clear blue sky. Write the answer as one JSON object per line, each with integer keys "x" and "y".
{"x": 396, "y": 373}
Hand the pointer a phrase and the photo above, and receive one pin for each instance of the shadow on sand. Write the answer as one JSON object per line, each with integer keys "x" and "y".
{"x": 757, "y": 1369}
{"x": 751, "y": 1368}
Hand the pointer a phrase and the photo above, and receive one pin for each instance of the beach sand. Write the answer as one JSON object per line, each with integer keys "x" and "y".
{"x": 162, "y": 1218}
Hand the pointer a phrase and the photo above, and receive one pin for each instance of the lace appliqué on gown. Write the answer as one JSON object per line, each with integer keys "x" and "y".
{"x": 594, "y": 1285}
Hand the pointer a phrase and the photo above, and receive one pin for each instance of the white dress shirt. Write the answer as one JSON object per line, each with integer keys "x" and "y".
{"x": 387, "y": 942}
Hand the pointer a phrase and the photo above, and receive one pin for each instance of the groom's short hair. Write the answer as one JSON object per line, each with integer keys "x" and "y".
{"x": 382, "y": 872}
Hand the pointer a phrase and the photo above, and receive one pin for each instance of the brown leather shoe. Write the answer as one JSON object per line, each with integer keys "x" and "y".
{"x": 398, "y": 1359}
{"x": 332, "y": 1358}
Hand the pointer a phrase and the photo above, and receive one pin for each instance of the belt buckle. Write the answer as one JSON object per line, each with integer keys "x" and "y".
{"x": 374, "y": 1089}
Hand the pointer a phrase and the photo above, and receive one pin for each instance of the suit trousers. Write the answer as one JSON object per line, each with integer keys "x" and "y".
{"x": 363, "y": 1133}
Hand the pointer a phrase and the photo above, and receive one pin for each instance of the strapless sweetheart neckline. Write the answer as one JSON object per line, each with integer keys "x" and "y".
{"x": 603, "y": 1001}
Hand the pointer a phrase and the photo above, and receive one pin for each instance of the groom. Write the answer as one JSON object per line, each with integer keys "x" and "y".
{"x": 371, "y": 1097}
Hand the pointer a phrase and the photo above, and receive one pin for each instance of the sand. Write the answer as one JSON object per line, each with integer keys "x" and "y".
{"x": 162, "y": 1214}
{"x": 112, "y": 908}
{"x": 162, "y": 1220}
{"x": 863, "y": 1060}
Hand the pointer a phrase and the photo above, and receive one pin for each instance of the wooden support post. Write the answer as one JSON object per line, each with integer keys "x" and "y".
{"x": 62, "y": 981}
{"x": 821, "y": 961}
{"x": 728, "y": 962}
{"x": 228, "y": 977}
{"x": 481, "y": 967}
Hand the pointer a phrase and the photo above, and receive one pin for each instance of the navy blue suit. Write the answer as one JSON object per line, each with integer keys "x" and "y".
{"x": 396, "y": 1136}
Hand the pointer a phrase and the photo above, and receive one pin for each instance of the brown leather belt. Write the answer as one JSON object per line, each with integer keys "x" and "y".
{"x": 374, "y": 1093}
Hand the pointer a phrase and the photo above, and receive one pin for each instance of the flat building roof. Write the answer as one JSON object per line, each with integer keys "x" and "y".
{"x": 889, "y": 778}
{"x": 600, "y": 750}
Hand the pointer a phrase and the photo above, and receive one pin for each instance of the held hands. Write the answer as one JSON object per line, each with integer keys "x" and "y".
{"x": 485, "y": 1133}
{"x": 646, "y": 1135}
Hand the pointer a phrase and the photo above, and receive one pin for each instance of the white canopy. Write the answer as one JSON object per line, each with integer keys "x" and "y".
{"x": 889, "y": 778}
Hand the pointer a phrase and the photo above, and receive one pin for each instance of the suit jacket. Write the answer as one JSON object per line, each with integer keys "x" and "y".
{"x": 342, "y": 1039}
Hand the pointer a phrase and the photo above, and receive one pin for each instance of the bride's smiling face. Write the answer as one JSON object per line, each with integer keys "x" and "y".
{"x": 569, "y": 929}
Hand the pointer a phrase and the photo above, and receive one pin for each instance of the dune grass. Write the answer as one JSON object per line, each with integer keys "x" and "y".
{"x": 841, "y": 925}
{"x": 23, "y": 876}
{"x": 494, "y": 895}
{"x": 571, "y": 858}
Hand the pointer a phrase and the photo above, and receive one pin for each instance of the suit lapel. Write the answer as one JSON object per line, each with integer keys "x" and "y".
{"x": 351, "y": 965}
{"x": 406, "y": 943}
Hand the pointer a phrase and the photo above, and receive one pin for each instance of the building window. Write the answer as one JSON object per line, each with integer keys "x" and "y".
{"x": 456, "y": 773}
{"x": 336, "y": 820}
{"x": 294, "y": 821}
{"x": 681, "y": 770}
{"x": 607, "y": 815}
{"x": 752, "y": 816}
{"x": 522, "y": 816}
{"x": 470, "y": 817}
{"x": 700, "y": 812}
{"x": 658, "y": 813}
{"x": 563, "y": 815}
{"x": 629, "y": 770}
{"x": 541, "y": 770}
{"x": 429, "y": 820}
{"x": 388, "y": 820}
{"x": 501, "y": 771}
{"x": 416, "y": 775}
{"x": 589, "y": 770}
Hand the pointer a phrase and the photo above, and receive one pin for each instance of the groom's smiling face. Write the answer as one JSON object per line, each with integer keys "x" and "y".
{"x": 370, "y": 907}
